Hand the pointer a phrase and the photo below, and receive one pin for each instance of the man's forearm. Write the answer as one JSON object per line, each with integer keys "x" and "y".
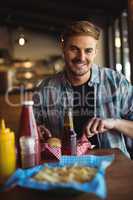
{"x": 98, "y": 125}
{"x": 124, "y": 126}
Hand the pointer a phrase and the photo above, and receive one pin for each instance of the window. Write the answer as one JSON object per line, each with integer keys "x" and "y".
{"x": 119, "y": 46}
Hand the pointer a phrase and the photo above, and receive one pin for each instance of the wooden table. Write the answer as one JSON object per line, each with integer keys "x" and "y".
{"x": 119, "y": 179}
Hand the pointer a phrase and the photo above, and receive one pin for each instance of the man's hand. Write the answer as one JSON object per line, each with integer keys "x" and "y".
{"x": 97, "y": 125}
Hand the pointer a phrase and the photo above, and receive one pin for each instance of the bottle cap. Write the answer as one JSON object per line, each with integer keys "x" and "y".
{"x": 3, "y": 127}
{"x": 28, "y": 103}
{"x": 5, "y": 133}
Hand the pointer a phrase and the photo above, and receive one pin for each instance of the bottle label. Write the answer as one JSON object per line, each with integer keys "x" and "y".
{"x": 73, "y": 144}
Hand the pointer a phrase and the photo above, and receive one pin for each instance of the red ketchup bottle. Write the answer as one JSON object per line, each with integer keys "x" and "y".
{"x": 28, "y": 127}
{"x": 69, "y": 138}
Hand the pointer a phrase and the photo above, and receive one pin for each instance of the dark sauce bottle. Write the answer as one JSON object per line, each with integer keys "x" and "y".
{"x": 69, "y": 138}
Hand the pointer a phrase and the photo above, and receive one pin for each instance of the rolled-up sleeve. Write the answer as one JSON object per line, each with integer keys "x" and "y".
{"x": 126, "y": 100}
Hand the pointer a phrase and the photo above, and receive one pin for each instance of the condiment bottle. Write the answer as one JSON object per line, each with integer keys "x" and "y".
{"x": 7, "y": 152}
{"x": 28, "y": 127}
{"x": 69, "y": 140}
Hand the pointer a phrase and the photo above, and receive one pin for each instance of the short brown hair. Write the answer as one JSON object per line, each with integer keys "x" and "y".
{"x": 81, "y": 28}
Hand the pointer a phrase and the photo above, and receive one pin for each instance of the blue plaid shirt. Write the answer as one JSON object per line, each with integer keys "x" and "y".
{"x": 113, "y": 99}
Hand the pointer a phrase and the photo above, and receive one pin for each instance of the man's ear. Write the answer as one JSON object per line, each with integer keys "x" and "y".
{"x": 96, "y": 50}
{"x": 61, "y": 44}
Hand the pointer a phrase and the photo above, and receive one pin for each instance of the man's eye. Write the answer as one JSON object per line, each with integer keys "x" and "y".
{"x": 73, "y": 49}
{"x": 89, "y": 50}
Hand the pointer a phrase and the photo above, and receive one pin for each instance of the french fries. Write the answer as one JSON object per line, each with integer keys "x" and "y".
{"x": 74, "y": 173}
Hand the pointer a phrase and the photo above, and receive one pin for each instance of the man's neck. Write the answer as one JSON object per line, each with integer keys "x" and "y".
{"x": 78, "y": 80}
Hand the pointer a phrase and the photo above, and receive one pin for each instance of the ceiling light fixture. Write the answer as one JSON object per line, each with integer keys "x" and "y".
{"x": 21, "y": 41}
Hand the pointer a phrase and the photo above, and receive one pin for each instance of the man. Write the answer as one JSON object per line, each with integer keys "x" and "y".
{"x": 102, "y": 99}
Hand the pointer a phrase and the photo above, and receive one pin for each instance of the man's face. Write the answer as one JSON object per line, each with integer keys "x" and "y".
{"x": 79, "y": 53}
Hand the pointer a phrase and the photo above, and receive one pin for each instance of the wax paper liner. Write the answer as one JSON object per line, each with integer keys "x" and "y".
{"x": 23, "y": 177}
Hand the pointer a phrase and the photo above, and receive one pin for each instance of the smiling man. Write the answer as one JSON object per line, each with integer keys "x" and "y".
{"x": 79, "y": 53}
{"x": 102, "y": 99}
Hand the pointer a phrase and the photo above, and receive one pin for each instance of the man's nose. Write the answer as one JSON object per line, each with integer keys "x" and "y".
{"x": 82, "y": 55}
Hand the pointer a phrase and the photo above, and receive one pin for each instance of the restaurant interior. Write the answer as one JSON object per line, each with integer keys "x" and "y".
{"x": 30, "y": 43}
{"x": 30, "y": 51}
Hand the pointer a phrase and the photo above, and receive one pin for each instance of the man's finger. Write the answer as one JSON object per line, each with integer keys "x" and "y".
{"x": 95, "y": 125}
{"x": 101, "y": 126}
{"x": 88, "y": 127}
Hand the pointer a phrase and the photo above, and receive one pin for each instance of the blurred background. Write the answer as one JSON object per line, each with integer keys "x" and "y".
{"x": 29, "y": 42}
{"x": 30, "y": 32}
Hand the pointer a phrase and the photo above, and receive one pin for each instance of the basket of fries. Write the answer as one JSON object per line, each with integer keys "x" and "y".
{"x": 78, "y": 173}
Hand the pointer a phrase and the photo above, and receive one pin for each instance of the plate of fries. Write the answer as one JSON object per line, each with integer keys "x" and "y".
{"x": 78, "y": 173}
{"x": 67, "y": 174}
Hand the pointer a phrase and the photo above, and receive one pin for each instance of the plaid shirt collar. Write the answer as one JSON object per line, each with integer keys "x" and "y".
{"x": 95, "y": 79}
